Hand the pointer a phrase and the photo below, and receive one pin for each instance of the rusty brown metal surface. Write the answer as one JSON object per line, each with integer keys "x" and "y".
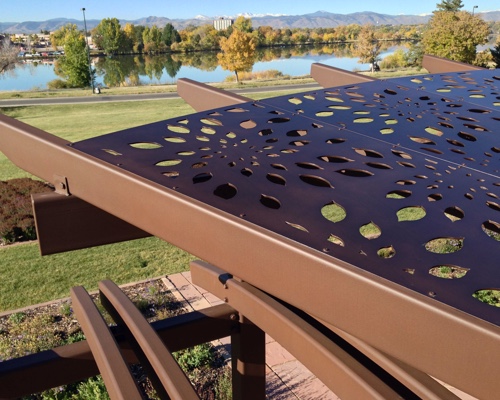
{"x": 65, "y": 223}
{"x": 251, "y": 181}
{"x": 166, "y": 375}
{"x": 437, "y": 65}
{"x": 328, "y": 76}
{"x": 110, "y": 361}
{"x": 70, "y": 363}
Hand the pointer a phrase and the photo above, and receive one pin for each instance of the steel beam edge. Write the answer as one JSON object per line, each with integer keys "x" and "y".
{"x": 328, "y": 76}
{"x": 203, "y": 97}
{"x": 73, "y": 362}
{"x": 438, "y": 65}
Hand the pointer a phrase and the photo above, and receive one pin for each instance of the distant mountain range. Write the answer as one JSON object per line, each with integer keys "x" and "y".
{"x": 319, "y": 19}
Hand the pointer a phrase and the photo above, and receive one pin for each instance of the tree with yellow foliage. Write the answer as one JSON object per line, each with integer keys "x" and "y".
{"x": 238, "y": 52}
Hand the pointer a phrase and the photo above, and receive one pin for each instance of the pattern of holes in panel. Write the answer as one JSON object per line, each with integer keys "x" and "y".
{"x": 336, "y": 184}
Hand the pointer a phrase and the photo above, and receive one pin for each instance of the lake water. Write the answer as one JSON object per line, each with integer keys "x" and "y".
{"x": 166, "y": 69}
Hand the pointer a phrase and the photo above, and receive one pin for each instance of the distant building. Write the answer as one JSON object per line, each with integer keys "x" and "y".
{"x": 222, "y": 24}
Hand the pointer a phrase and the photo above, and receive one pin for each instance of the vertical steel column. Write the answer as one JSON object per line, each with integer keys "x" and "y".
{"x": 248, "y": 355}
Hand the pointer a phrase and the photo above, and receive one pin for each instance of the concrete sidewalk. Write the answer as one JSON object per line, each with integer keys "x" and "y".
{"x": 286, "y": 377}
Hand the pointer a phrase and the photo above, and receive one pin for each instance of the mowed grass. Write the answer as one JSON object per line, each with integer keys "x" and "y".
{"x": 26, "y": 277}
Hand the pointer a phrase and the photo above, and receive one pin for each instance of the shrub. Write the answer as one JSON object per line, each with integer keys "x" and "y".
{"x": 58, "y": 84}
{"x": 16, "y": 214}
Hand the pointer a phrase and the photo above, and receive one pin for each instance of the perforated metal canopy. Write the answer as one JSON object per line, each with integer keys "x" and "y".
{"x": 398, "y": 178}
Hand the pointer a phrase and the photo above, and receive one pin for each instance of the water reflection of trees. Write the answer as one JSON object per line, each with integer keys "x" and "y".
{"x": 127, "y": 70}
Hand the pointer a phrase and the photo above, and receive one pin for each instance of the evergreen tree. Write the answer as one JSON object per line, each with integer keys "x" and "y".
{"x": 450, "y": 5}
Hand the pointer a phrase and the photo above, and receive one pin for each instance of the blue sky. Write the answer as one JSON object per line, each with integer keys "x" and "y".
{"x": 36, "y": 10}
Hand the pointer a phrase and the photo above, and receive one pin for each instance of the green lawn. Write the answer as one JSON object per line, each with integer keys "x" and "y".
{"x": 26, "y": 277}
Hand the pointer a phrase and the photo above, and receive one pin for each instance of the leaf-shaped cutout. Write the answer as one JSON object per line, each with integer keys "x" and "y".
{"x": 401, "y": 154}
{"x": 444, "y": 245}
{"x": 247, "y": 172}
{"x": 202, "y": 138}
{"x": 488, "y": 296}
{"x": 421, "y": 140}
{"x": 112, "y": 152}
{"x": 279, "y": 166}
{"x": 335, "y": 159}
{"x": 336, "y": 240}
{"x": 275, "y": 178}
{"x": 297, "y": 132}
{"x": 324, "y": 113}
{"x": 145, "y": 145}
{"x": 335, "y": 99}
{"x": 433, "y": 131}
{"x": 178, "y": 128}
{"x": 226, "y": 191}
{"x": 315, "y": 181}
{"x": 406, "y": 164}
{"x": 186, "y": 153}
{"x": 335, "y": 141}
{"x": 362, "y": 120}
{"x": 448, "y": 272}
{"x": 412, "y": 213}
{"x": 297, "y": 226}
{"x": 208, "y": 131}
{"x": 398, "y": 194}
{"x": 467, "y": 136}
{"x": 211, "y": 121}
{"x": 299, "y": 143}
{"x": 492, "y": 229}
{"x": 175, "y": 139}
{"x": 307, "y": 165}
{"x": 340, "y": 107}
{"x": 454, "y": 213}
{"x": 203, "y": 177}
{"x": 278, "y": 120}
{"x": 386, "y": 131}
{"x": 295, "y": 100}
{"x": 236, "y": 110}
{"x": 391, "y": 121}
{"x": 355, "y": 173}
{"x": 370, "y": 231}
{"x": 270, "y": 202}
{"x": 168, "y": 163}
{"x": 493, "y": 205}
{"x": 386, "y": 252}
{"x": 171, "y": 174}
{"x": 368, "y": 153}
{"x": 378, "y": 165}
{"x": 248, "y": 124}
{"x": 333, "y": 212}
{"x": 265, "y": 132}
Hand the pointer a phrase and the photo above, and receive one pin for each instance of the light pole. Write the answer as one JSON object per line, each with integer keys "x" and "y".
{"x": 473, "y": 8}
{"x": 88, "y": 50}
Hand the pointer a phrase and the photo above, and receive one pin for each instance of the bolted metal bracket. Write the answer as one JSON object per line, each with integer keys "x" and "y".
{"x": 61, "y": 185}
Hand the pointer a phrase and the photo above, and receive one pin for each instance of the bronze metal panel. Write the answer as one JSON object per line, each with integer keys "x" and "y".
{"x": 328, "y": 76}
{"x": 437, "y": 65}
{"x": 112, "y": 366}
{"x": 203, "y": 97}
{"x": 419, "y": 329}
{"x": 66, "y": 223}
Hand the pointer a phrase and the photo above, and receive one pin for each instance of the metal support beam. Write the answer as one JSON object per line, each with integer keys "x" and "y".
{"x": 62, "y": 365}
{"x": 328, "y": 76}
{"x": 438, "y": 65}
{"x": 163, "y": 370}
{"x": 333, "y": 365}
{"x": 204, "y": 97}
{"x": 248, "y": 361}
{"x": 65, "y": 223}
